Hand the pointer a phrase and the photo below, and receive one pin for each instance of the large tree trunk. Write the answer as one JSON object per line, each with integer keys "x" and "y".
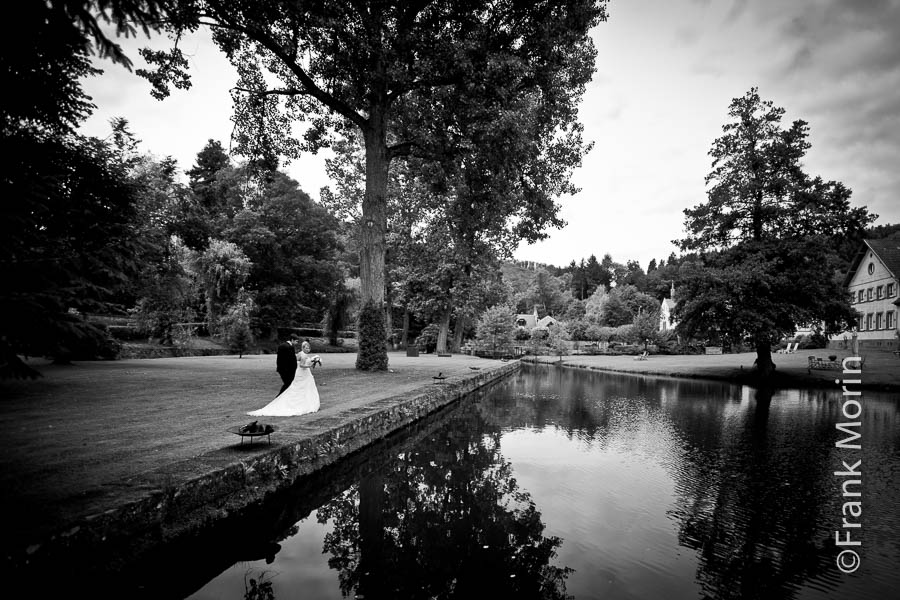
{"x": 404, "y": 338}
{"x": 443, "y": 332}
{"x": 764, "y": 365}
{"x": 458, "y": 332}
{"x": 374, "y": 222}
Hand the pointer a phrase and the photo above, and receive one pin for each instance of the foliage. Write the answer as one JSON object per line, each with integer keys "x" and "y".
{"x": 758, "y": 189}
{"x": 762, "y": 291}
{"x": 427, "y": 339}
{"x": 235, "y": 323}
{"x": 621, "y": 305}
{"x": 557, "y": 338}
{"x": 223, "y": 269}
{"x": 67, "y": 204}
{"x": 538, "y": 341}
{"x": 623, "y": 333}
{"x": 293, "y": 246}
{"x": 645, "y": 327}
{"x": 550, "y": 294}
{"x": 578, "y": 329}
{"x": 495, "y": 328}
{"x": 372, "y": 355}
{"x": 62, "y": 34}
{"x": 522, "y": 334}
{"x": 772, "y": 231}
{"x": 344, "y": 298}
{"x": 202, "y": 214}
{"x": 595, "y": 304}
{"x": 450, "y": 521}
{"x": 260, "y": 589}
{"x": 615, "y": 311}
{"x": 486, "y": 90}
{"x": 68, "y": 242}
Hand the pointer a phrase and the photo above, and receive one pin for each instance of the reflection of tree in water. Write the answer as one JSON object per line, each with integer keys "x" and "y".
{"x": 750, "y": 492}
{"x": 751, "y": 500}
{"x": 447, "y": 521}
{"x": 258, "y": 588}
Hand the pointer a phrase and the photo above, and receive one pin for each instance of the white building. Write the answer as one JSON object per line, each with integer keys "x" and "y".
{"x": 873, "y": 282}
{"x": 666, "y": 310}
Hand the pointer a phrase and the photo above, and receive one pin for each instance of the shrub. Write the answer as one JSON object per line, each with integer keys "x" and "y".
{"x": 556, "y": 340}
{"x": 372, "y": 354}
{"x": 236, "y": 323}
{"x": 239, "y": 337}
{"x": 624, "y": 333}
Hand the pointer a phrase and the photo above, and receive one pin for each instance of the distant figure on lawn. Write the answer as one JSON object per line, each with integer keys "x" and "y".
{"x": 301, "y": 396}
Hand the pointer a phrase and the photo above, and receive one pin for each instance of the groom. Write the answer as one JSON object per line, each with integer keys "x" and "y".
{"x": 286, "y": 363}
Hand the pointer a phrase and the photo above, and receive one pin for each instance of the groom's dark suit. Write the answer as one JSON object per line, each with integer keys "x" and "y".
{"x": 286, "y": 364}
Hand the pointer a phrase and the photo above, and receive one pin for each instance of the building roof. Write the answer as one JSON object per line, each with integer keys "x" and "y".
{"x": 546, "y": 322}
{"x": 887, "y": 251}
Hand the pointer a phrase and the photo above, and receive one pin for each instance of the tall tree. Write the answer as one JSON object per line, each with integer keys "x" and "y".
{"x": 203, "y": 213}
{"x": 383, "y": 69}
{"x": 66, "y": 201}
{"x": 292, "y": 243}
{"x": 771, "y": 231}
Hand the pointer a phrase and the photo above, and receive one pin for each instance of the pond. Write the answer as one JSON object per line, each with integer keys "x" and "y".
{"x": 560, "y": 483}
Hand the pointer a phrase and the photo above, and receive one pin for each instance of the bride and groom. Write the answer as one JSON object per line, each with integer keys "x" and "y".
{"x": 299, "y": 394}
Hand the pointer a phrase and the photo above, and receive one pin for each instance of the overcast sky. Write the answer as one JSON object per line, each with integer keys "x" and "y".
{"x": 666, "y": 72}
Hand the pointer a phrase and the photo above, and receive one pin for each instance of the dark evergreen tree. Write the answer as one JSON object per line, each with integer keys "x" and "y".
{"x": 770, "y": 233}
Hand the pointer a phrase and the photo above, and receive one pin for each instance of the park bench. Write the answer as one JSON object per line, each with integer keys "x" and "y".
{"x": 822, "y": 364}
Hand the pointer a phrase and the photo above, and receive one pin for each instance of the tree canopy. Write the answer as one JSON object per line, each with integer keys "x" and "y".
{"x": 412, "y": 79}
{"x": 767, "y": 234}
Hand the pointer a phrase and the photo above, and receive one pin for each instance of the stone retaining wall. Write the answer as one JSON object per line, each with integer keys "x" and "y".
{"x": 178, "y": 499}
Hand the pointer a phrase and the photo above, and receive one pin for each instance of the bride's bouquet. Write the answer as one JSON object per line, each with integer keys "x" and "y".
{"x": 315, "y": 361}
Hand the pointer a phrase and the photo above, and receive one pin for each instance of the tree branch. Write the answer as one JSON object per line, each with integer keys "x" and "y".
{"x": 331, "y": 102}
{"x": 275, "y": 92}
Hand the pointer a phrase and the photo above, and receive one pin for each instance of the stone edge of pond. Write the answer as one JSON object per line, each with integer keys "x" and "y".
{"x": 186, "y": 496}
{"x": 794, "y": 380}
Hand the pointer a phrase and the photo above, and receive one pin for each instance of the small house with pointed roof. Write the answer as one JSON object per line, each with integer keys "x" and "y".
{"x": 531, "y": 321}
{"x": 873, "y": 282}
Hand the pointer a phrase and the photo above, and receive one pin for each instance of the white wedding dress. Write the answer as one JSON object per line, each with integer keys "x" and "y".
{"x": 300, "y": 398}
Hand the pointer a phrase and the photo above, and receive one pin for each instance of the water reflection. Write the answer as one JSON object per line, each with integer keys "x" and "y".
{"x": 564, "y": 483}
{"x": 445, "y": 520}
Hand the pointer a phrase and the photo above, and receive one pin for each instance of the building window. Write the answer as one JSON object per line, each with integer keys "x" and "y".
{"x": 890, "y": 319}
{"x": 859, "y": 322}
{"x": 860, "y": 296}
{"x": 879, "y": 318}
{"x": 869, "y": 294}
{"x": 871, "y": 268}
{"x": 890, "y": 290}
{"x": 879, "y": 292}
{"x": 869, "y": 322}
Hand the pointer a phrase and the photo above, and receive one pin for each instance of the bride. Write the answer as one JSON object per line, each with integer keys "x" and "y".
{"x": 302, "y": 396}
